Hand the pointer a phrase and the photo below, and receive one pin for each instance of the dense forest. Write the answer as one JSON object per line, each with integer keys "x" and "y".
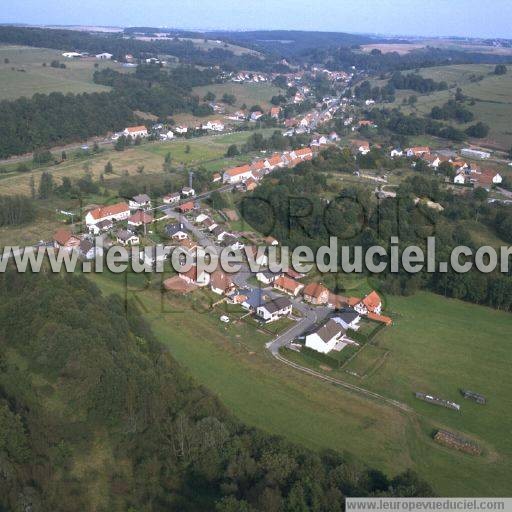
{"x": 291, "y": 208}
{"x": 96, "y": 415}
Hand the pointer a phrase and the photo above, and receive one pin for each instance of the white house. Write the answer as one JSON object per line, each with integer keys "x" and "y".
{"x": 181, "y": 129}
{"x": 101, "y": 227}
{"x": 188, "y": 192}
{"x": 460, "y": 178}
{"x": 125, "y": 237}
{"x": 348, "y": 318}
{"x": 396, "y": 152}
{"x": 274, "y": 309}
{"x": 104, "y": 56}
{"x": 139, "y": 202}
{"x": 114, "y": 212}
{"x": 326, "y": 338}
{"x": 267, "y": 277}
{"x": 172, "y": 198}
{"x": 256, "y": 115}
{"x": 215, "y": 126}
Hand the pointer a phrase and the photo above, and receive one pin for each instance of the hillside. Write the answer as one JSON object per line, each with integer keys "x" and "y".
{"x": 94, "y": 415}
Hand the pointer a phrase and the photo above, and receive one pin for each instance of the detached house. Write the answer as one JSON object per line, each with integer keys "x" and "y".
{"x": 140, "y": 202}
{"x": 370, "y": 304}
{"x": 348, "y": 318}
{"x": 275, "y": 112}
{"x": 62, "y": 238}
{"x": 192, "y": 276}
{"x": 316, "y": 294}
{"x": 176, "y": 231}
{"x": 140, "y": 218}
{"x": 221, "y": 283}
{"x": 274, "y": 309}
{"x": 172, "y": 198}
{"x": 215, "y": 126}
{"x": 326, "y": 338}
{"x": 362, "y": 146}
{"x": 115, "y": 212}
{"x": 287, "y": 285}
{"x": 125, "y": 237}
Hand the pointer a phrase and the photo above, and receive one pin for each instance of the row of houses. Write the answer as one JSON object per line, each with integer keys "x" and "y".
{"x": 261, "y": 167}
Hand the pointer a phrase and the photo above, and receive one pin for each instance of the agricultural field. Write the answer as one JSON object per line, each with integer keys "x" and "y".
{"x": 249, "y": 94}
{"x": 24, "y": 74}
{"x": 205, "y": 152}
{"x": 432, "y": 347}
{"x": 491, "y": 95}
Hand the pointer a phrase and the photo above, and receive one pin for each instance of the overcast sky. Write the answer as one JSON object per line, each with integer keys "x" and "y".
{"x": 472, "y": 18}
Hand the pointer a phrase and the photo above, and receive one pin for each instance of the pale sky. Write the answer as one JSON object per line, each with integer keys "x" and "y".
{"x": 471, "y": 18}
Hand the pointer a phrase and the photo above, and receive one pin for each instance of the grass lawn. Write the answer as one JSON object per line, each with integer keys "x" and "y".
{"x": 437, "y": 345}
{"x": 30, "y": 77}
{"x": 440, "y": 346}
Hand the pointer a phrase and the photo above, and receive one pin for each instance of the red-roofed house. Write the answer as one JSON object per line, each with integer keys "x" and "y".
{"x": 221, "y": 283}
{"x": 287, "y": 285}
{"x": 65, "y": 239}
{"x": 303, "y": 154}
{"x": 417, "y": 151}
{"x": 316, "y": 294}
{"x": 140, "y": 218}
{"x": 237, "y": 174}
{"x": 186, "y": 207}
{"x": 370, "y": 304}
{"x": 135, "y": 131}
{"x": 191, "y": 276}
{"x": 114, "y": 212}
{"x": 275, "y": 112}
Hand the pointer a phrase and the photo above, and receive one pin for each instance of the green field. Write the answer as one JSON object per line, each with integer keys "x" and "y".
{"x": 437, "y": 345}
{"x": 492, "y": 96}
{"x": 24, "y": 74}
{"x": 250, "y": 93}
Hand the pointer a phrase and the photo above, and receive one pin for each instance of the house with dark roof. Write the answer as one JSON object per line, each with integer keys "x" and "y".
{"x": 348, "y": 318}
{"x": 176, "y": 231}
{"x": 274, "y": 309}
{"x": 125, "y": 237}
{"x": 325, "y": 339}
{"x": 140, "y": 201}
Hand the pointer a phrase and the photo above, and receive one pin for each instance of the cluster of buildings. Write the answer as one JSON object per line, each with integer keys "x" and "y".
{"x": 465, "y": 173}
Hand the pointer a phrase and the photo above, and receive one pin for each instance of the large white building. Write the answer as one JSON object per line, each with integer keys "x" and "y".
{"x": 237, "y": 174}
{"x": 115, "y": 212}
